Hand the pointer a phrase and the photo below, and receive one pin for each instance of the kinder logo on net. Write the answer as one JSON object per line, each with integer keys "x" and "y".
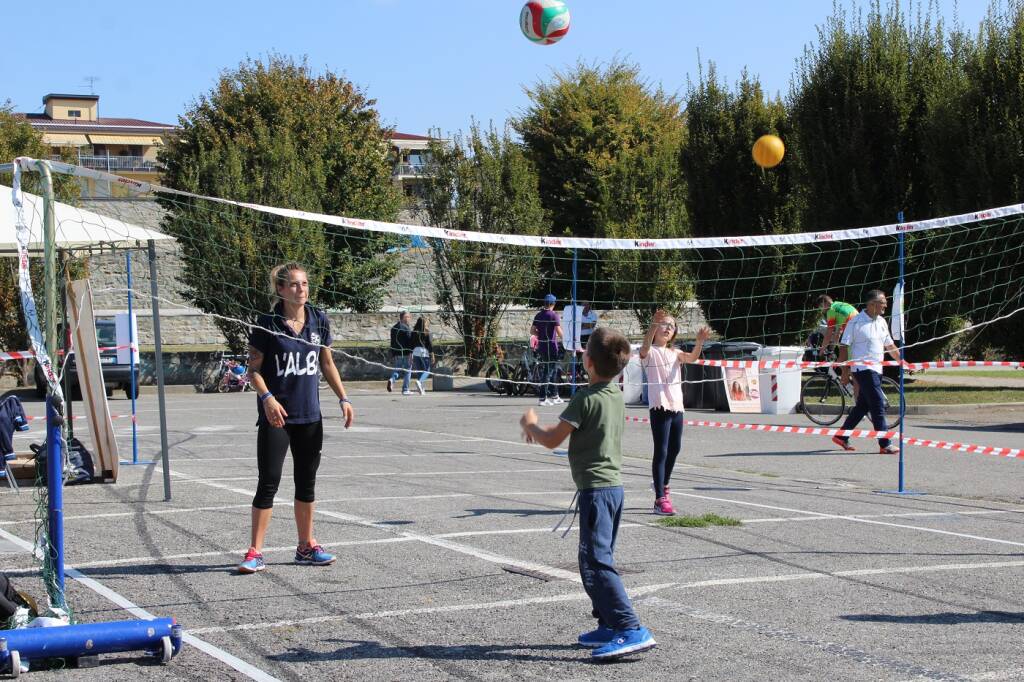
{"x": 644, "y": 243}
{"x": 983, "y": 215}
{"x": 551, "y": 241}
{"x": 356, "y": 223}
{"x": 905, "y": 228}
{"x": 734, "y": 241}
{"x": 824, "y": 236}
{"x": 457, "y": 234}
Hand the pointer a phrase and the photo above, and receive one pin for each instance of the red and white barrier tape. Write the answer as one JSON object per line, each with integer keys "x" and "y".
{"x": 28, "y": 355}
{"x": 799, "y": 364}
{"x": 853, "y": 433}
{"x": 113, "y": 416}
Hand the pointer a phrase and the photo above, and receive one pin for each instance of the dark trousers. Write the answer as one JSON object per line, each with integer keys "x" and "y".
{"x": 600, "y": 511}
{"x": 547, "y": 370}
{"x": 870, "y": 400}
{"x": 667, "y": 429}
{"x": 305, "y": 441}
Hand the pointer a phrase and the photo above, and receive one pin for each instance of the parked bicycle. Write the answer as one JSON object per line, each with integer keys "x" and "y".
{"x": 234, "y": 375}
{"x": 825, "y": 399}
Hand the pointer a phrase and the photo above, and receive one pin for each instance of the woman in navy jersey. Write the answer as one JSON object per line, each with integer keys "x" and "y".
{"x": 288, "y": 349}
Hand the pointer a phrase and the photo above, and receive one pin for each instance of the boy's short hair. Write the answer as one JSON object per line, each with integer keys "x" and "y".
{"x": 823, "y": 299}
{"x": 609, "y": 351}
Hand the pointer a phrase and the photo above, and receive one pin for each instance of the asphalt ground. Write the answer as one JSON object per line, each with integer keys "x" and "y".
{"x": 448, "y": 568}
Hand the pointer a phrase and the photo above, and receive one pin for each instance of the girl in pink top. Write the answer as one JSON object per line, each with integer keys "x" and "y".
{"x": 663, "y": 365}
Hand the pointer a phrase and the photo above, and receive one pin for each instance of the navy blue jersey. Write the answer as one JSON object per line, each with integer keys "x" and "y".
{"x": 291, "y": 362}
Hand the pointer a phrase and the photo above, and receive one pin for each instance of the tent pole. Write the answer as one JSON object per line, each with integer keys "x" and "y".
{"x": 158, "y": 362}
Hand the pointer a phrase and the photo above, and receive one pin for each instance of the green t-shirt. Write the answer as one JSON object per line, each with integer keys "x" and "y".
{"x": 598, "y": 414}
{"x": 839, "y": 313}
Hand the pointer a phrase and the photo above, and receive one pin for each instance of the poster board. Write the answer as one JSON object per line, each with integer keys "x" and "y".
{"x": 742, "y": 389}
{"x": 90, "y": 378}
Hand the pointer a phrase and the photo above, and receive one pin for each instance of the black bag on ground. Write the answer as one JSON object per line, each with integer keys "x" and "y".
{"x": 80, "y": 463}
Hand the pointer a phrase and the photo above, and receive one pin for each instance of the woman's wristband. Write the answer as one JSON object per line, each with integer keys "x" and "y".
{"x": 344, "y": 400}
{"x": 266, "y": 395}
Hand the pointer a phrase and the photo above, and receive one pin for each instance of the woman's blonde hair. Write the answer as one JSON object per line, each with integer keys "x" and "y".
{"x": 279, "y": 278}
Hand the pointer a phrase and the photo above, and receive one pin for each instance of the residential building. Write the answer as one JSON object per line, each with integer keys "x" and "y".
{"x": 74, "y": 129}
{"x": 411, "y": 154}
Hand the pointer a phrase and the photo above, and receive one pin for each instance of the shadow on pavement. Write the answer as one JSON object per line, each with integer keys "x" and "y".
{"x": 947, "y": 618}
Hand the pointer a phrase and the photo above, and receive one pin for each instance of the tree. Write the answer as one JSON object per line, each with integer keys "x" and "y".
{"x": 605, "y": 143}
{"x": 974, "y": 153}
{"x": 19, "y": 138}
{"x": 274, "y": 133}
{"x": 481, "y": 182}
{"x": 731, "y": 196}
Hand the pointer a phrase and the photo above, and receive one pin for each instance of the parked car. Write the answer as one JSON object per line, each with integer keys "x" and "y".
{"x": 115, "y": 376}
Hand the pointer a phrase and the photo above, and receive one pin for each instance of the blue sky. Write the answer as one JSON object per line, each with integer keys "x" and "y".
{"x": 427, "y": 63}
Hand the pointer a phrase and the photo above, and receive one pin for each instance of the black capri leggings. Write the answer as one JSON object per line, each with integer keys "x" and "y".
{"x": 306, "y": 441}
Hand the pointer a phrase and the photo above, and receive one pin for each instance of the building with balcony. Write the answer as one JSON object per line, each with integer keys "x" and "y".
{"x": 411, "y": 154}
{"x": 75, "y": 131}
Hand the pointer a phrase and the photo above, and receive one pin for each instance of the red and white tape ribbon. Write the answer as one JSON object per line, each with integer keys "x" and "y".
{"x": 853, "y": 433}
{"x": 28, "y": 355}
{"x": 113, "y": 416}
{"x": 799, "y": 364}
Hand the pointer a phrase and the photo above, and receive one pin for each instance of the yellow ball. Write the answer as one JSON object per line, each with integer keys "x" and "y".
{"x": 768, "y": 151}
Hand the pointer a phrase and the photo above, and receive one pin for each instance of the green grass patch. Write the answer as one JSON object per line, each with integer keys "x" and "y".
{"x": 942, "y": 394}
{"x": 703, "y": 521}
{"x": 986, "y": 373}
{"x": 757, "y": 473}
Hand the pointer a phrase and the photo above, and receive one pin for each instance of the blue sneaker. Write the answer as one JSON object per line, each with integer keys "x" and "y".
{"x": 314, "y": 555}
{"x": 252, "y": 563}
{"x": 625, "y": 642}
{"x": 596, "y": 638}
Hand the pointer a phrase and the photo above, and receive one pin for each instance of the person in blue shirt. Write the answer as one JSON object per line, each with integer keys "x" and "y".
{"x": 547, "y": 327}
{"x": 288, "y": 350}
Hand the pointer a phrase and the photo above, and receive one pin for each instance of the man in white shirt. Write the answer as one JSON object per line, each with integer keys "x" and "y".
{"x": 866, "y": 340}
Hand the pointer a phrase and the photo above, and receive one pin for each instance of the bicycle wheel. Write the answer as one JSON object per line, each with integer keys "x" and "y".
{"x": 891, "y": 391}
{"x": 823, "y": 400}
{"x": 497, "y": 374}
{"x": 522, "y": 378}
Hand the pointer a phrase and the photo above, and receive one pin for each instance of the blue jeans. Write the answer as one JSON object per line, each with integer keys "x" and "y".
{"x": 401, "y": 364}
{"x": 600, "y": 512}
{"x": 667, "y": 429}
{"x": 421, "y": 364}
{"x": 547, "y": 372}
{"x": 870, "y": 400}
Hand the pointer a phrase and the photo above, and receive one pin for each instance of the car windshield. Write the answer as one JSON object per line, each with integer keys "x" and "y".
{"x": 106, "y": 335}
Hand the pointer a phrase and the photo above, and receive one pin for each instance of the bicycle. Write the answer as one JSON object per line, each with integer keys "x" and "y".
{"x": 823, "y": 397}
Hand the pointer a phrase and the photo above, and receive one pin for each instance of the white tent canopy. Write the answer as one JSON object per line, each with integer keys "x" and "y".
{"x": 73, "y": 227}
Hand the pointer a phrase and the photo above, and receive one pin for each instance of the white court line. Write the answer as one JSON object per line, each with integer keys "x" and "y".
{"x": 250, "y": 671}
{"x": 426, "y": 539}
{"x": 382, "y": 473}
{"x": 504, "y": 604}
{"x": 980, "y": 512}
{"x": 150, "y": 559}
{"x": 634, "y": 593}
{"x": 853, "y": 518}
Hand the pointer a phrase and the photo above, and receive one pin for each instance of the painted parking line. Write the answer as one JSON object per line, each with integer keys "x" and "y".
{"x": 855, "y": 519}
{"x": 247, "y": 669}
{"x": 637, "y": 594}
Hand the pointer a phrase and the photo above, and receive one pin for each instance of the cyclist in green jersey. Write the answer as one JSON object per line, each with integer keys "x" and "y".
{"x": 837, "y": 314}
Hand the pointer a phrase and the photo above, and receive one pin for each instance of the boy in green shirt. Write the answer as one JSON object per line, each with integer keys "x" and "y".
{"x": 593, "y": 422}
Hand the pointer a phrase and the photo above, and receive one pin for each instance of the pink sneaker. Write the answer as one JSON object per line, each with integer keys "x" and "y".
{"x": 663, "y": 507}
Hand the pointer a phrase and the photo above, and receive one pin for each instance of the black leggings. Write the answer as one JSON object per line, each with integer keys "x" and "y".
{"x": 667, "y": 429}
{"x": 305, "y": 440}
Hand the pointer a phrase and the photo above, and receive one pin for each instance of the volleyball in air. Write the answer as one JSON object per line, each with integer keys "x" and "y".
{"x": 768, "y": 151}
{"x": 544, "y": 22}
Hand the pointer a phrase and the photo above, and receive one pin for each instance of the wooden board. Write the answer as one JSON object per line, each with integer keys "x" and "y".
{"x": 90, "y": 378}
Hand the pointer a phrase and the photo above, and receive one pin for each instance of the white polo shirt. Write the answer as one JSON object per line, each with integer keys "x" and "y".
{"x": 867, "y": 339}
